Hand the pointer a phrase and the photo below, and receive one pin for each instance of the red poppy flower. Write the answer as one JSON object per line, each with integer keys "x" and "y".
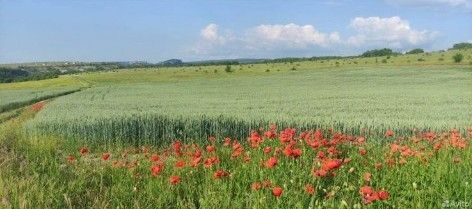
{"x": 154, "y": 158}
{"x": 180, "y": 164}
{"x": 309, "y": 189}
{"x": 389, "y": 133}
{"x": 70, "y": 159}
{"x": 296, "y": 153}
{"x": 331, "y": 164}
{"x": 156, "y": 169}
{"x": 366, "y": 190}
{"x": 105, "y": 156}
{"x": 277, "y": 191}
{"x": 220, "y": 174}
{"x": 210, "y": 148}
{"x": 256, "y": 186}
{"x": 227, "y": 142}
{"x": 84, "y": 151}
{"x": 267, "y": 150}
{"x": 174, "y": 180}
{"x": 383, "y": 195}
{"x": 271, "y": 162}
{"x": 211, "y": 161}
{"x": 320, "y": 173}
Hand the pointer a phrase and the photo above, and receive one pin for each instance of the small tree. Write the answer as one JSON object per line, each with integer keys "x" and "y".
{"x": 228, "y": 69}
{"x": 458, "y": 57}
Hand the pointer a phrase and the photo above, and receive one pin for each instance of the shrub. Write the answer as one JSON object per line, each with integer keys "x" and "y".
{"x": 458, "y": 57}
{"x": 421, "y": 60}
{"x": 228, "y": 69}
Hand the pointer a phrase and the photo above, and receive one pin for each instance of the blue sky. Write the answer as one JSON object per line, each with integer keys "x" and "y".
{"x": 153, "y": 31}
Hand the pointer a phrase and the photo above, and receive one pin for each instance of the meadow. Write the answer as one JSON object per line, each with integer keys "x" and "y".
{"x": 382, "y": 132}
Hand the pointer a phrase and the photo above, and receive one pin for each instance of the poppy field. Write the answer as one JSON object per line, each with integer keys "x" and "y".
{"x": 358, "y": 135}
{"x": 278, "y": 167}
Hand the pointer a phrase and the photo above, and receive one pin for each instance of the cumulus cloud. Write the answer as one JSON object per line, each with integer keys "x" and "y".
{"x": 369, "y": 32}
{"x": 288, "y": 36}
{"x": 466, "y": 4}
{"x": 210, "y": 33}
{"x": 392, "y": 31}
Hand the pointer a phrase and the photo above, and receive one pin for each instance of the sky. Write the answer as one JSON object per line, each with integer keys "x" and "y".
{"x": 153, "y": 31}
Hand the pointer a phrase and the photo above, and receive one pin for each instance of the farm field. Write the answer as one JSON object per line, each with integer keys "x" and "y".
{"x": 322, "y": 135}
{"x": 349, "y": 99}
{"x": 16, "y": 95}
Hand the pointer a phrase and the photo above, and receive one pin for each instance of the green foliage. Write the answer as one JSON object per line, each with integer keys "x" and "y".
{"x": 462, "y": 46}
{"x": 415, "y": 51}
{"x": 458, "y": 57}
{"x": 378, "y": 53}
{"x": 228, "y": 69}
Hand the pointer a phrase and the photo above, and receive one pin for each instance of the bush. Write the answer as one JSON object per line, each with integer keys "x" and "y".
{"x": 421, "y": 60}
{"x": 458, "y": 57}
{"x": 384, "y": 60}
{"x": 228, "y": 69}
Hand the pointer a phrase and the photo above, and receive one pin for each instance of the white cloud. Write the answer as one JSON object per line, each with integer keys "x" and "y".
{"x": 392, "y": 32}
{"x": 210, "y": 33}
{"x": 369, "y": 32}
{"x": 465, "y": 4}
{"x": 288, "y": 36}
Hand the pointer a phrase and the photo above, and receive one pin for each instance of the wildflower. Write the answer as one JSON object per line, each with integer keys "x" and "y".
{"x": 154, "y": 158}
{"x": 174, "y": 180}
{"x": 320, "y": 173}
{"x": 267, "y": 150}
{"x": 277, "y": 191}
{"x": 211, "y": 161}
{"x": 362, "y": 151}
{"x": 361, "y": 140}
{"x": 383, "y": 195}
{"x": 329, "y": 165}
{"x": 180, "y": 164}
{"x": 210, "y": 148}
{"x": 271, "y": 162}
{"x": 70, "y": 159}
{"x": 156, "y": 169}
{"x": 255, "y": 139}
{"x": 309, "y": 189}
{"x": 227, "y": 142}
{"x": 84, "y": 151}
{"x": 220, "y": 174}
{"x": 177, "y": 146}
{"x": 105, "y": 156}
{"x": 296, "y": 153}
{"x": 256, "y": 186}
{"x": 389, "y": 133}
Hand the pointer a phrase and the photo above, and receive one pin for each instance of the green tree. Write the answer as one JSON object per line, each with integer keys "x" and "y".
{"x": 415, "y": 51}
